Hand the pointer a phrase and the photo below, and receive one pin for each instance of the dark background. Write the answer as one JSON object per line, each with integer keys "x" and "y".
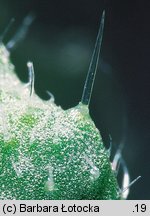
{"x": 60, "y": 44}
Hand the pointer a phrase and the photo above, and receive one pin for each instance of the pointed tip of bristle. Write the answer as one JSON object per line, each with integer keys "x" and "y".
{"x": 102, "y": 18}
{"x": 103, "y": 14}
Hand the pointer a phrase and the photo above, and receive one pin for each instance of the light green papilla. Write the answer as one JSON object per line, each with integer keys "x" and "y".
{"x": 47, "y": 152}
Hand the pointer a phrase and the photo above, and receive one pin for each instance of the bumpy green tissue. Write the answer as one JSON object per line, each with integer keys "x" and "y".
{"x": 46, "y": 152}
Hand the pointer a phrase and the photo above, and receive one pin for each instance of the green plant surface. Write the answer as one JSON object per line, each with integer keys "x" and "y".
{"x": 47, "y": 152}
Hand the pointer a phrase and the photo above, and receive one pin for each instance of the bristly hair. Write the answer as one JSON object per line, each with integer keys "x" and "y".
{"x": 87, "y": 91}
